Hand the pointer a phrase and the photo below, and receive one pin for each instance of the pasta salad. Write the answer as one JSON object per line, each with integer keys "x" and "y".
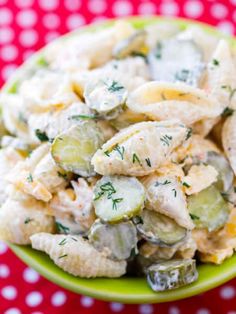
{"x": 118, "y": 153}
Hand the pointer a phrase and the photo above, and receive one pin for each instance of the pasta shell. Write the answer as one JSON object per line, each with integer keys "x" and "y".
{"x": 229, "y": 140}
{"x": 19, "y": 220}
{"x": 139, "y": 149}
{"x": 163, "y": 101}
{"x": 76, "y": 256}
{"x": 221, "y": 80}
{"x": 165, "y": 195}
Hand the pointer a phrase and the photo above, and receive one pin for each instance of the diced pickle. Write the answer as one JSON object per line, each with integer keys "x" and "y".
{"x": 73, "y": 149}
{"x": 160, "y": 229}
{"x": 171, "y": 274}
{"x": 226, "y": 175}
{"x": 176, "y": 60}
{"x": 132, "y": 44}
{"x": 118, "y": 197}
{"x": 208, "y": 209}
{"x": 117, "y": 239}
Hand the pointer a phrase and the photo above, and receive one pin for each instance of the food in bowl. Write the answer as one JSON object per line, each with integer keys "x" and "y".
{"x": 118, "y": 153}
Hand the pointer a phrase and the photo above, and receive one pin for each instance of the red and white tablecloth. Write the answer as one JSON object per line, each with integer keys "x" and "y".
{"x": 26, "y": 26}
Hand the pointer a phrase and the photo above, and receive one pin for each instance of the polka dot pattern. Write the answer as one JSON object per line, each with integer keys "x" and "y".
{"x": 26, "y": 26}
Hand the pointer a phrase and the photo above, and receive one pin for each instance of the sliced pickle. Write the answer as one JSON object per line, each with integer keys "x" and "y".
{"x": 73, "y": 149}
{"x": 130, "y": 45}
{"x": 172, "y": 274}
{"x": 118, "y": 197}
{"x": 221, "y": 164}
{"x": 208, "y": 209}
{"x": 160, "y": 229}
{"x": 119, "y": 240}
{"x": 176, "y": 61}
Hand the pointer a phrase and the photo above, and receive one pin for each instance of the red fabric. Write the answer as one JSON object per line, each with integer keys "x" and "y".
{"x": 26, "y": 26}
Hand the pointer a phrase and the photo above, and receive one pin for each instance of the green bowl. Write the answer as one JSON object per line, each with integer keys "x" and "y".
{"x": 125, "y": 289}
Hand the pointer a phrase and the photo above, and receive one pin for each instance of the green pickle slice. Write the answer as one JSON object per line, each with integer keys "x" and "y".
{"x": 117, "y": 239}
{"x": 208, "y": 209}
{"x": 160, "y": 229}
{"x": 74, "y": 149}
{"x": 171, "y": 274}
{"x": 118, "y": 198}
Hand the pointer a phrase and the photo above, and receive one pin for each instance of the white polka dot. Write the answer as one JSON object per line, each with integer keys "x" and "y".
{"x": 72, "y": 5}
{"x": 86, "y": 301}
{"x": 27, "y": 54}
{"x": 145, "y": 309}
{"x": 74, "y": 21}
{"x": 227, "y": 292}
{"x": 9, "y": 292}
{"x": 58, "y": 298}
{"x": 9, "y": 53}
{"x": 6, "y": 35}
{"x": 26, "y": 18}
{"x": 5, "y": 16}
{"x": 7, "y": 71}
{"x": 233, "y": 1}
{"x": 24, "y": 3}
{"x": 4, "y": 271}
{"x": 49, "y": 5}
{"x": 173, "y": 310}
{"x": 97, "y": 6}
{"x": 29, "y": 274}
{"x": 226, "y": 27}
{"x": 193, "y": 8}
{"x": 51, "y": 20}
{"x": 3, "y": 248}
{"x": 12, "y": 310}
{"x": 121, "y": 8}
{"x": 203, "y": 311}
{"x": 28, "y": 37}
{"x": 50, "y": 36}
{"x": 219, "y": 11}
{"x": 116, "y": 307}
{"x": 169, "y": 8}
{"x": 3, "y": 1}
{"x": 34, "y": 299}
{"x": 147, "y": 8}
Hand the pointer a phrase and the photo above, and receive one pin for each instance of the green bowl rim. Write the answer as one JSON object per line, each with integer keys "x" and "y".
{"x": 225, "y": 272}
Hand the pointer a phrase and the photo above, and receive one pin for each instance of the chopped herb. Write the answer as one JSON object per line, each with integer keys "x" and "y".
{"x": 215, "y": 62}
{"x": 115, "y": 202}
{"x": 107, "y": 153}
{"x": 106, "y": 187}
{"x": 162, "y": 183}
{"x": 175, "y": 192}
{"x": 62, "y": 256}
{"x": 42, "y": 136}
{"x": 74, "y": 239}
{"x": 120, "y": 150}
{"x": 183, "y": 75}
{"x": 158, "y": 51}
{"x": 30, "y": 178}
{"x": 186, "y": 184}
{"x": 194, "y": 217}
{"x": 148, "y": 161}
{"x": 189, "y": 133}
{"x": 115, "y": 87}
{"x": 82, "y": 117}
{"x": 62, "y": 242}
{"x": 62, "y": 175}
{"x": 166, "y": 140}
{"x": 227, "y": 112}
{"x": 27, "y": 220}
{"x": 229, "y": 89}
{"x": 62, "y": 228}
{"x": 135, "y": 158}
